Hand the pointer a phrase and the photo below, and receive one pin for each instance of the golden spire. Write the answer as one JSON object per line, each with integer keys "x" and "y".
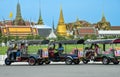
{"x": 61, "y": 18}
{"x": 61, "y": 28}
{"x": 103, "y": 18}
{"x": 40, "y": 20}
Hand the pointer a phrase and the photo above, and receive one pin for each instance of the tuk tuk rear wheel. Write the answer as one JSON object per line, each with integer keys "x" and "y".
{"x": 7, "y": 61}
{"x": 32, "y": 61}
{"x": 105, "y": 61}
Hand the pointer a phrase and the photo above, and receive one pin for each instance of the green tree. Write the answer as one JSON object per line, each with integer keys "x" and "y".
{"x": 93, "y": 37}
{"x": 59, "y": 37}
{"x": 37, "y": 37}
{"x": 0, "y": 37}
{"x": 86, "y": 37}
{"x": 29, "y": 37}
{"x": 71, "y": 37}
{"x": 17, "y": 38}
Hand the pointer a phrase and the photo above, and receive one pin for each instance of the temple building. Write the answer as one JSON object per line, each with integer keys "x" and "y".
{"x": 109, "y": 33}
{"x": 61, "y": 27}
{"x": 89, "y": 31}
{"x": 115, "y": 27}
{"x": 103, "y": 24}
{"x": 17, "y": 27}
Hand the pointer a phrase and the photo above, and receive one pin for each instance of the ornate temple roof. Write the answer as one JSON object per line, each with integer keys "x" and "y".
{"x": 18, "y": 20}
{"x": 103, "y": 24}
{"x": 40, "y": 20}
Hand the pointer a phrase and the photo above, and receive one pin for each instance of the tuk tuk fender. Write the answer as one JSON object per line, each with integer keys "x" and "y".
{"x": 72, "y": 58}
{"x": 69, "y": 57}
{"x": 69, "y": 60}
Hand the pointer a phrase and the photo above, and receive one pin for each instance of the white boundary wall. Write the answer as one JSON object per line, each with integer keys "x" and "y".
{"x": 2, "y": 59}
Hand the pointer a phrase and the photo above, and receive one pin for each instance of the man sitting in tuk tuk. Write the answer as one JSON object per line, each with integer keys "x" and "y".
{"x": 97, "y": 49}
{"x": 60, "y": 50}
{"x": 23, "y": 48}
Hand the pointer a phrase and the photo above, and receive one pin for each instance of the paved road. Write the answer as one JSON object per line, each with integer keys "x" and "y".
{"x": 60, "y": 70}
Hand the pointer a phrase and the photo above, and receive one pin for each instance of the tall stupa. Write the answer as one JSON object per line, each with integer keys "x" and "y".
{"x": 61, "y": 27}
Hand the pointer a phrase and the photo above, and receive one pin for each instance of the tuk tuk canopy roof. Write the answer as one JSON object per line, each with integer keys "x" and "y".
{"x": 81, "y": 41}
{"x": 30, "y": 42}
{"x": 103, "y": 41}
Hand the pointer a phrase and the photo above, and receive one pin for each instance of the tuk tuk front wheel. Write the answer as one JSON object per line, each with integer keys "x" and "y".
{"x": 68, "y": 61}
{"x": 40, "y": 63}
{"x": 105, "y": 61}
{"x": 47, "y": 62}
{"x": 115, "y": 61}
{"x": 7, "y": 61}
{"x": 85, "y": 61}
{"x": 76, "y": 61}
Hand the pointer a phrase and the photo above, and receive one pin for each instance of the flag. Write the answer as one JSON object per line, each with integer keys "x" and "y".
{"x": 10, "y": 15}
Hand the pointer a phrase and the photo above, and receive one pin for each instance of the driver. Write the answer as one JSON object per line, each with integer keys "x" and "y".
{"x": 60, "y": 49}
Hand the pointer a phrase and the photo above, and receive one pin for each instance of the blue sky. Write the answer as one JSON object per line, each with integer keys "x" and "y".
{"x": 89, "y": 10}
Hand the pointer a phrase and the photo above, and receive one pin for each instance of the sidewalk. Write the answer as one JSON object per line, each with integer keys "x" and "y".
{"x": 2, "y": 59}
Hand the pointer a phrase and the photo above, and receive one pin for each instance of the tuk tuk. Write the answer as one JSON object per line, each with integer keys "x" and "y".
{"x": 18, "y": 52}
{"x": 61, "y": 55}
{"x": 103, "y": 50}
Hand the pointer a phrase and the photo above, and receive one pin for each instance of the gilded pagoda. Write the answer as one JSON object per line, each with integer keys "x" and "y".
{"x": 61, "y": 28}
